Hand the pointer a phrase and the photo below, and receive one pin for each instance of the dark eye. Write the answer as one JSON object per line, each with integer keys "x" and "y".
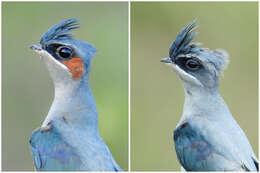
{"x": 192, "y": 64}
{"x": 64, "y": 52}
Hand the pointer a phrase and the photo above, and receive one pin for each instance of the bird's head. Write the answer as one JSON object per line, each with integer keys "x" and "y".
{"x": 66, "y": 59}
{"x": 196, "y": 67}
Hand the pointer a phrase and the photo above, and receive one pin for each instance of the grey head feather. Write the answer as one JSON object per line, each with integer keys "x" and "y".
{"x": 60, "y": 31}
{"x": 223, "y": 60}
{"x": 215, "y": 60}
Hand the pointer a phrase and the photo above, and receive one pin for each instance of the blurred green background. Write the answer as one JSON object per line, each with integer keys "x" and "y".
{"x": 156, "y": 93}
{"x": 27, "y": 87}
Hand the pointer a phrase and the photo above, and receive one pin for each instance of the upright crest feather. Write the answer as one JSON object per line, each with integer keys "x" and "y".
{"x": 60, "y": 31}
{"x": 181, "y": 44}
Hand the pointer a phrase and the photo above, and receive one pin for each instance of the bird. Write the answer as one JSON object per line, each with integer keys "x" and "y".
{"x": 207, "y": 137}
{"x": 68, "y": 139}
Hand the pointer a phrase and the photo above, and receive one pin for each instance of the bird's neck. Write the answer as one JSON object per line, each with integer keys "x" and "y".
{"x": 74, "y": 105}
{"x": 204, "y": 103}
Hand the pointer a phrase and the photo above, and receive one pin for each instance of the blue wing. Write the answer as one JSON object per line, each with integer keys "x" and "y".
{"x": 51, "y": 153}
{"x": 195, "y": 153}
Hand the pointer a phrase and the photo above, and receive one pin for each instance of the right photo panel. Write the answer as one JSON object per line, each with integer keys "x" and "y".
{"x": 194, "y": 86}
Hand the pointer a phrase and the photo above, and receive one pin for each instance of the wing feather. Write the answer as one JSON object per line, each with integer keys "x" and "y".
{"x": 50, "y": 152}
{"x": 195, "y": 153}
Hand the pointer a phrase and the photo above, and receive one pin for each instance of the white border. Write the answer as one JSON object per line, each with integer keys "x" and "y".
{"x": 258, "y": 82}
{"x": 1, "y": 85}
{"x": 129, "y": 88}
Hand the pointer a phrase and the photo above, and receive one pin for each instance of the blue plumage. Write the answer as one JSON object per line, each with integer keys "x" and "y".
{"x": 207, "y": 138}
{"x": 187, "y": 140}
{"x": 60, "y": 34}
{"x": 51, "y": 152}
{"x": 68, "y": 138}
{"x": 60, "y": 31}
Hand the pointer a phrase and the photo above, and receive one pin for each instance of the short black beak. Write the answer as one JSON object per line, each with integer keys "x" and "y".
{"x": 36, "y": 47}
{"x": 166, "y": 60}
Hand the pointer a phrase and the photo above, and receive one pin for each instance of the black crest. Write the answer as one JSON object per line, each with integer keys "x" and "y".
{"x": 181, "y": 43}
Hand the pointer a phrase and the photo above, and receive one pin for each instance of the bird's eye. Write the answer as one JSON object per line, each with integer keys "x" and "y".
{"x": 64, "y": 52}
{"x": 192, "y": 64}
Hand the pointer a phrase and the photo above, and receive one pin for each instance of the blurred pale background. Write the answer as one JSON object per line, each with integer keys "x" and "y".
{"x": 156, "y": 93}
{"x": 27, "y": 87}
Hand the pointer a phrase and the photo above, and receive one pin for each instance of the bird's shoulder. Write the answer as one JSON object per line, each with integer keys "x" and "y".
{"x": 51, "y": 152}
{"x": 199, "y": 146}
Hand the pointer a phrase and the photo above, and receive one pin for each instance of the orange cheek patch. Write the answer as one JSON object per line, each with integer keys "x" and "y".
{"x": 76, "y": 66}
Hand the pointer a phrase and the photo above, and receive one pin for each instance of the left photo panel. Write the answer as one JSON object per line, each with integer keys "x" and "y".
{"x": 65, "y": 86}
